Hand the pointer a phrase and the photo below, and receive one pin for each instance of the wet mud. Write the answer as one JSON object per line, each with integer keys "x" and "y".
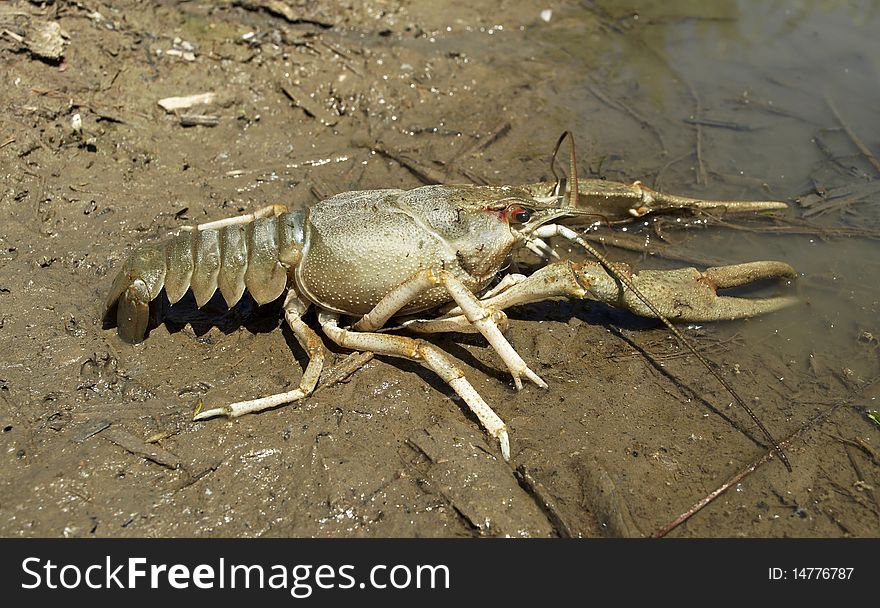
{"x": 96, "y": 437}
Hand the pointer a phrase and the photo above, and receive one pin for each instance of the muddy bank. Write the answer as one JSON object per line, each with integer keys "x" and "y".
{"x": 96, "y": 435}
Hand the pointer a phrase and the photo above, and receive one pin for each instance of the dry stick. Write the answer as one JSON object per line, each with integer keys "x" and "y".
{"x": 855, "y": 138}
{"x": 768, "y": 455}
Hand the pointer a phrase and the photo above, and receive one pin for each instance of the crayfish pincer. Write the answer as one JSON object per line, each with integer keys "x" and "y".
{"x": 433, "y": 255}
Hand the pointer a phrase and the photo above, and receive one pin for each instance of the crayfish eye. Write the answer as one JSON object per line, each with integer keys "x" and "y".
{"x": 519, "y": 214}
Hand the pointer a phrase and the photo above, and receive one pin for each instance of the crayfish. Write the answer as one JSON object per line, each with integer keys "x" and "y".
{"x": 430, "y": 258}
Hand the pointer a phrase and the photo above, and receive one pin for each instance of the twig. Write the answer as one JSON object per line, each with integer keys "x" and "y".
{"x": 657, "y": 250}
{"x": 721, "y": 124}
{"x": 338, "y": 373}
{"x": 860, "y": 477}
{"x": 543, "y": 499}
{"x": 855, "y": 138}
{"x": 191, "y": 479}
{"x": 662, "y": 370}
{"x": 829, "y": 153}
{"x": 702, "y": 177}
{"x": 496, "y": 134}
{"x": 424, "y": 173}
{"x": 7, "y": 142}
{"x": 734, "y": 339}
{"x": 859, "y": 444}
{"x": 139, "y": 447}
{"x": 204, "y": 120}
{"x": 346, "y": 60}
{"x": 770, "y": 108}
{"x": 301, "y": 100}
{"x": 791, "y": 226}
{"x": 768, "y": 455}
{"x": 478, "y": 144}
{"x": 619, "y": 105}
{"x": 834, "y": 205}
{"x": 659, "y": 179}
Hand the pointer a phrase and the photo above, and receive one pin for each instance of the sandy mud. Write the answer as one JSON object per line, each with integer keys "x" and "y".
{"x": 96, "y": 437}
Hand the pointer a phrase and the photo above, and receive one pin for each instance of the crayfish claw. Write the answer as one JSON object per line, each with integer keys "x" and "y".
{"x": 734, "y": 275}
{"x": 688, "y": 295}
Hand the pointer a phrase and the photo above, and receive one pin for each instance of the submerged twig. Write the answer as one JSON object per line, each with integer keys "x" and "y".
{"x": 720, "y": 124}
{"x": 852, "y": 135}
{"x": 639, "y": 244}
{"x": 860, "y": 477}
{"x": 479, "y": 144}
{"x": 832, "y": 158}
{"x": 621, "y": 106}
{"x": 659, "y": 179}
{"x": 837, "y": 198}
{"x": 860, "y": 444}
{"x": 769, "y": 107}
{"x": 784, "y": 225}
{"x": 702, "y": 176}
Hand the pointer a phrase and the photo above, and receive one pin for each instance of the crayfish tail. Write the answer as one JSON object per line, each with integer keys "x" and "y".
{"x": 133, "y": 312}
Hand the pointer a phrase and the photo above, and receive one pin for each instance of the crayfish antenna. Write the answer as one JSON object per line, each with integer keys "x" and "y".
{"x": 573, "y": 203}
{"x": 560, "y": 187}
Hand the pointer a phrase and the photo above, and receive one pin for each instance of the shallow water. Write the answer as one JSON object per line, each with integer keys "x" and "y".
{"x": 763, "y": 73}
{"x": 759, "y": 76}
